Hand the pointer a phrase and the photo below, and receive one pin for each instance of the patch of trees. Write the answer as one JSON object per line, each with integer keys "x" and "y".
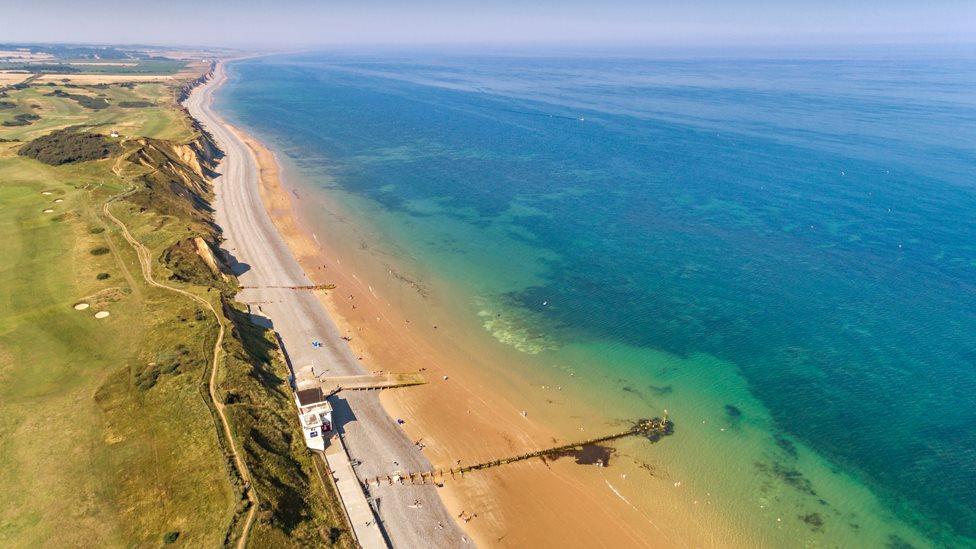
{"x": 134, "y": 104}
{"x": 7, "y": 104}
{"x": 68, "y": 146}
{"x": 87, "y": 101}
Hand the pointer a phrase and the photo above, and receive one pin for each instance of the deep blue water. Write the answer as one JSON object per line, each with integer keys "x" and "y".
{"x": 809, "y": 220}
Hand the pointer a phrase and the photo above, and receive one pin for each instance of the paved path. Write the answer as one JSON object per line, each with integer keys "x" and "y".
{"x": 368, "y": 533}
{"x": 264, "y": 260}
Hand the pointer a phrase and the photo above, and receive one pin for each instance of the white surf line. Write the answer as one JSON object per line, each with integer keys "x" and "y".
{"x": 632, "y": 506}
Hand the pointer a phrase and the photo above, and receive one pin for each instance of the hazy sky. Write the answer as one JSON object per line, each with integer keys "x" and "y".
{"x": 656, "y": 22}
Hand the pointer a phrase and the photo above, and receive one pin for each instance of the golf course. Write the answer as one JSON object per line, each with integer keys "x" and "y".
{"x": 138, "y": 404}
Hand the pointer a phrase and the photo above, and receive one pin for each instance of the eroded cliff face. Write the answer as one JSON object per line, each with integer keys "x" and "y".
{"x": 183, "y": 92}
{"x": 175, "y": 180}
{"x": 206, "y": 149}
{"x": 201, "y": 155}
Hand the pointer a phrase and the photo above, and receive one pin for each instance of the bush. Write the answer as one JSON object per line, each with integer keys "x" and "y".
{"x": 68, "y": 146}
{"x": 171, "y": 537}
{"x": 101, "y": 250}
{"x": 87, "y": 101}
{"x": 21, "y": 120}
{"x": 102, "y": 276}
{"x": 97, "y": 230}
{"x": 134, "y": 104}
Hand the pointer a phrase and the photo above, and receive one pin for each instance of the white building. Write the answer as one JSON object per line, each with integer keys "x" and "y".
{"x": 315, "y": 414}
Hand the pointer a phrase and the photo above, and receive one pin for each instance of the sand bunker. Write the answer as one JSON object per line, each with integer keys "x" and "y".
{"x": 81, "y": 306}
{"x": 49, "y": 210}
{"x": 101, "y": 314}
{"x": 58, "y": 200}
{"x": 46, "y": 193}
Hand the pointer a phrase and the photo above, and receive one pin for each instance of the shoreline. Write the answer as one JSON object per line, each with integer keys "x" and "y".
{"x": 516, "y": 504}
{"x": 266, "y": 267}
{"x": 531, "y": 503}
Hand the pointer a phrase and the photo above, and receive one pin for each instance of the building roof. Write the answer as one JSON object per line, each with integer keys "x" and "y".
{"x": 308, "y": 397}
{"x": 311, "y": 420}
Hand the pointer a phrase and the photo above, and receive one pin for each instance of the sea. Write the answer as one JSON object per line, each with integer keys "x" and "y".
{"x": 778, "y": 247}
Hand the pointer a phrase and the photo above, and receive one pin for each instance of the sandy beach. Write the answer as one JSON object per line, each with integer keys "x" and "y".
{"x": 264, "y": 265}
{"x": 472, "y": 412}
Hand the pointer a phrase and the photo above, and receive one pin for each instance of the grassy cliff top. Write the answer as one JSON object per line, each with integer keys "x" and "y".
{"x": 108, "y": 435}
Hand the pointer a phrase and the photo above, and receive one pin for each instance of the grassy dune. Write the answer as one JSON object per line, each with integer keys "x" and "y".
{"x": 107, "y": 433}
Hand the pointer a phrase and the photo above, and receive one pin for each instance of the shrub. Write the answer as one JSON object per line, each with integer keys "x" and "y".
{"x": 134, "y": 104}
{"x": 171, "y": 537}
{"x": 97, "y": 230}
{"x": 102, "y": 276}
{"x": 68, "y": 146}
{"x": 101, "y": 250}
{"x": 87, "y": 101}
{"x": 21, "y": 120}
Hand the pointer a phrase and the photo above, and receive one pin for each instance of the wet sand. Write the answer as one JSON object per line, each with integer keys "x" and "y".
{"x": 476, "y": 414}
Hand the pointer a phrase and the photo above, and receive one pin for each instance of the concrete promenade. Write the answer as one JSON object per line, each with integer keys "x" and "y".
{"x": 368, "y": 532}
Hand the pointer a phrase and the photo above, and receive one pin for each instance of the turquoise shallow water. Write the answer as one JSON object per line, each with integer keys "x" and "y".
{"x": 806, "y": 221}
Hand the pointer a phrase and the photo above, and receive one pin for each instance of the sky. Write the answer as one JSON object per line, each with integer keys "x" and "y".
{"x": 290, "y": 23}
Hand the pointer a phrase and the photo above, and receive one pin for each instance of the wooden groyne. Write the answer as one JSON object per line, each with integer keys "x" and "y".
{"x": 652, "y": 429}
{"x": 309, "y": 287}
{"x": 370, "y": 382}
